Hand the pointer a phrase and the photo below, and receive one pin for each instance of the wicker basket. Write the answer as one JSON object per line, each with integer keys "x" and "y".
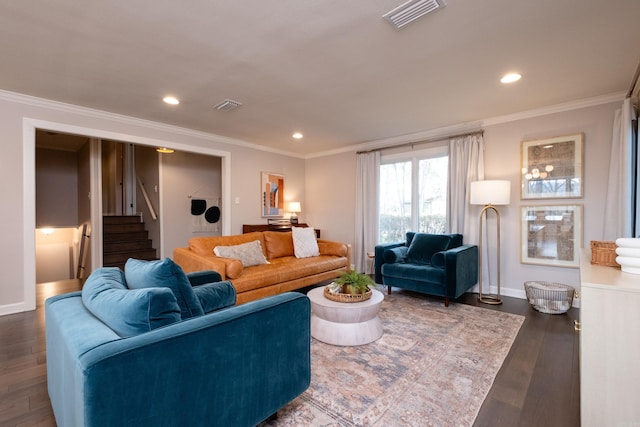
{"x": 603, "y": 253}
{"x": 340, "y": 297}
{"x": 549, "y": 297}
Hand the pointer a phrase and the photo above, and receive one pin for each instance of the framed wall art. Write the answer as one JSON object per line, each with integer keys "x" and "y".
{"x": 552, "y": 168}
{"x": 551, "y": 235}
{"x": 272, "y": 193}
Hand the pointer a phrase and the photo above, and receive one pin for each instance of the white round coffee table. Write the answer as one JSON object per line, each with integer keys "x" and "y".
{"x": 345, "y": 323}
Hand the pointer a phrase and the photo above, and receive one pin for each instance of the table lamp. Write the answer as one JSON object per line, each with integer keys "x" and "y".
{"x": 489, "y": 193}
{"x": 294, "y": 208}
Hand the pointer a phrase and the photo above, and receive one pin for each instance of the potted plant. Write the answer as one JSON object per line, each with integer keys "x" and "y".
{"x": 354, "y": 283}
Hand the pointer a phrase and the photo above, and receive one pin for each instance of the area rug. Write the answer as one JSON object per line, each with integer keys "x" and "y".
{"x": 433, "y": 366}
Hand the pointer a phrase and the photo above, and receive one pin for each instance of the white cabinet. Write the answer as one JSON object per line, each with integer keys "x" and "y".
{"x": 609, "y": 346}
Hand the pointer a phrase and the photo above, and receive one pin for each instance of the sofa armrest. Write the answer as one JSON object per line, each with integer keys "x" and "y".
{"x": 191, "y": 261}
{"x": 379, "y": 258}
{"x": 328, "y": 247}
{"x": 461, "y": 269}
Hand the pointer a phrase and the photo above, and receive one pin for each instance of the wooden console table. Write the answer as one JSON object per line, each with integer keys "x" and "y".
{"x": 249, "y": 228}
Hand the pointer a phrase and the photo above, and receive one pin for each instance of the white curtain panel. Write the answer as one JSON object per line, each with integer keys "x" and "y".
{"x": 618, "y": 218}
{"x": 366, "y": 221}
{"x": 466, "y": 164}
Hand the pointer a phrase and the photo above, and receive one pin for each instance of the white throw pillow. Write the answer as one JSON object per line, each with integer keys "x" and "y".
{"x": 248, "y": 253}
{"x": 304, "y": 242}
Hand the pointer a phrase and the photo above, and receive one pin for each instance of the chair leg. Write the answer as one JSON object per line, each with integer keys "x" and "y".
{"x": 388, "y": 290}
{"x": 446, "y": 302}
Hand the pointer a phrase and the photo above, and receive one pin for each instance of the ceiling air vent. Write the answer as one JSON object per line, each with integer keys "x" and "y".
{"x": 228, "y": 105}
{"x": 410, "y": 11}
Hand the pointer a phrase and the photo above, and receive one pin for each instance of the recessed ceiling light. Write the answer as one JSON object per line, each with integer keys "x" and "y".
{"x": 164, "y": 150}
{"x": 171, "y": 100}
{"x": 297, "y": 135}
{"x": 510, "y": 78}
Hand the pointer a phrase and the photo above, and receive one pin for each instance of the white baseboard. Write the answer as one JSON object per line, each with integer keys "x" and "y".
{"x": 11, "y": 309}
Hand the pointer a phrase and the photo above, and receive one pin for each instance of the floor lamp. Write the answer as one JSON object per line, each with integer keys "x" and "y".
{"x": 489, "y": 194}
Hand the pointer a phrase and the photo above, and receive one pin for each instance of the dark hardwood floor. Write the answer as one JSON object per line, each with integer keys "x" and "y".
{"x": 538, "y": 384}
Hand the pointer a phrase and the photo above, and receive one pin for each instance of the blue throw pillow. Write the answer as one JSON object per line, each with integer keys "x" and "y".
{"x": 423, "y": 246}
{"x": 128, "y": 312}
{"x": 197, "y": 278}
{"x": 214, "y": 296}
{"x": 164, "y": 274}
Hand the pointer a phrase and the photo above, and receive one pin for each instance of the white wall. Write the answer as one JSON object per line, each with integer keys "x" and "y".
{"x": 19, "y": 115}
{"x": 56, "y": 254}
{"x": 186, "y": 175}
{"x": 331, "y": 189}
{"x": 325, "y": 185}
{"x": 56, "y": 188}
{"x": 330, "y": 196}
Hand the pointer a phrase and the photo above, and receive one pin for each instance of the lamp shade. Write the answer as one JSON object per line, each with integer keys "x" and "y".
{"x": 490, "y": 192}
{"x": 294, "y": 207}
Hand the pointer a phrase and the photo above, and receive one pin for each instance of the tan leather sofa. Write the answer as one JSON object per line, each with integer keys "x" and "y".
{"x": 284, "y": 272}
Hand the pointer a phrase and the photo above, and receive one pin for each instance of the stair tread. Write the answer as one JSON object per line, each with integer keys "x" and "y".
{"x": 124, "y": 237}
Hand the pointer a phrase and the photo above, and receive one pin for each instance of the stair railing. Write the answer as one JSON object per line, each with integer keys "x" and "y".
{"x": 83, "y": 239}
{"x": 147, "y": 200}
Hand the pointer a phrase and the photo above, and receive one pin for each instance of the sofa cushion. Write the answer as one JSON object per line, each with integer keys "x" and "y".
{"x": 286, "y": 269}
{"x": 214, "y": 296}
{"x": 128, "y": 312}
{"x": 165, "y": 273}
{"x": 305, "y": 243}
{"x": 278, "y": 244}
{"x": 423, "y": 246}
{"x": 249, "y": 253}
{"x": 205, "y": 245}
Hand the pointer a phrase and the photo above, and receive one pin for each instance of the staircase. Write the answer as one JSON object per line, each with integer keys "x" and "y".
{"x": 125, "y": 237}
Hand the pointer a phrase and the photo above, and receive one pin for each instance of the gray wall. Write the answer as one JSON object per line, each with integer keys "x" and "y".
{"x": 325, "y": 185}
{"x": 332, "y": 205}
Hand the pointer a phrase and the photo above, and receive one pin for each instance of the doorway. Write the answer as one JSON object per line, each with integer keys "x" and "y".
{"x": 30, "y": 126}
{"x": 62, "y": 214}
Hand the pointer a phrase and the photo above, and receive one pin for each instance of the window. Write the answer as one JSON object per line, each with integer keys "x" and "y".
{"x": 413, "y": 193}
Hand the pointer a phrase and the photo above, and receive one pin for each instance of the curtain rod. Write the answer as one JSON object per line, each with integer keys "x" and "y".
{"x": 634, "y": 81}
{"x": 424, "y": 141}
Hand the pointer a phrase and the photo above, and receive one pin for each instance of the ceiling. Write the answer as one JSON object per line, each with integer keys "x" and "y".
{"x": 333, "y": 70}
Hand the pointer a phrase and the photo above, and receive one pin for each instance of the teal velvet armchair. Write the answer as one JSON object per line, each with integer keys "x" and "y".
{"x": 433, "y": 264}
{"x": 143, "y": 354}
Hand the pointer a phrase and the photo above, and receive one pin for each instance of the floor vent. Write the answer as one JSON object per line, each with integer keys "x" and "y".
{"x": 228, "y": 105}
{"x": 410, "y": 11}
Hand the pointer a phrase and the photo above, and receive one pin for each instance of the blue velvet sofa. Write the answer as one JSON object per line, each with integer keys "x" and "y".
{"x": 151, "y": 346}
{"x": 433, "y": 264}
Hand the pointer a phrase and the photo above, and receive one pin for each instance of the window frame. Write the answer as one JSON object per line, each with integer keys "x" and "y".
{"x": 435, "y": 150}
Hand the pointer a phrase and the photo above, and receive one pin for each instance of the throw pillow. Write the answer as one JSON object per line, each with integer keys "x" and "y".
{"x": 197, "y": 278}
{"x": 423, "y": 246}
{"x": 214, "y": 296}
{"x": 164, "y": 274}
{"x": 128, "y": 312}
{"x": 305, "y": 244}
{"x": 249, "y": 253}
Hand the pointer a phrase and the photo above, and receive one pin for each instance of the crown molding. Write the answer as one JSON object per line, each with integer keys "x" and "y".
{"x": 557, "y": 108}
{"x": 444, "y": 132}
{"x": 134, "y": 121}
